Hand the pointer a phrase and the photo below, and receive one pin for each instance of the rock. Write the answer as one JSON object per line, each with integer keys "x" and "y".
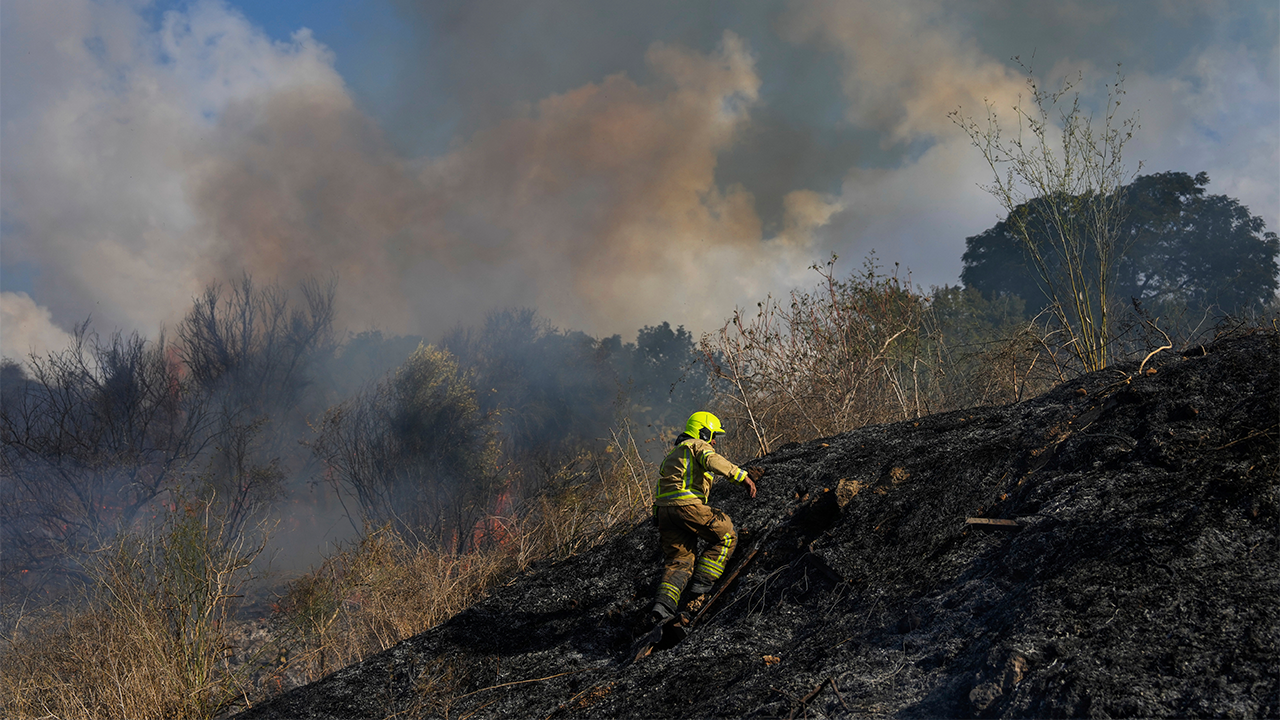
{"x": 984, "y": 696}
{"x": 847, "y": 490}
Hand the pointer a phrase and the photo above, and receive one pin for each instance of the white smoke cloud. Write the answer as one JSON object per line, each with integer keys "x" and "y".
{"x": 27, "y": 329}
{"x": 106, "y": 124}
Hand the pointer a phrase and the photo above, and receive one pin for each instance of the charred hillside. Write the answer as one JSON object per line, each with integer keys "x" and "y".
{"x": 1140, "y": 579}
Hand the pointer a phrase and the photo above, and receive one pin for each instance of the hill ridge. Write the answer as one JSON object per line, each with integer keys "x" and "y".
{"x": 1141, "y": 579}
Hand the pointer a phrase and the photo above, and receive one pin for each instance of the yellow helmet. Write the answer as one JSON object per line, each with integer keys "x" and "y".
{"x": 704, "y": 426}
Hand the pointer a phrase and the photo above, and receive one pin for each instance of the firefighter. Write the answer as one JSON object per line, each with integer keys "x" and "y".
{"x": 681, "y": 510}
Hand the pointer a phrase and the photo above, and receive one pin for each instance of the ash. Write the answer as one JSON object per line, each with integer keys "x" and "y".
{"x": 1141, "y": 578}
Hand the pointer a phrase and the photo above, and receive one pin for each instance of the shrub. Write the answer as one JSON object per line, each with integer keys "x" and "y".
{"x": 869, "y": 349}
{"x": 390, "y": 585}
{"x": 146, "y": 638}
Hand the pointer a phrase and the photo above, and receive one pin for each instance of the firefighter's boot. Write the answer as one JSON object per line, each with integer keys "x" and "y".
{"x": 659, "y": 614}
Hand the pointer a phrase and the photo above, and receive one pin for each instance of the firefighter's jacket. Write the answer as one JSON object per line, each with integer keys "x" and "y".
{"x": 687, "y": 472}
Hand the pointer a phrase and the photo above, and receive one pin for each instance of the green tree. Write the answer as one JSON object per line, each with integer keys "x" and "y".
{"x": 415, "y": 451}
{"x": 660, "y": 374}
{"x": 1186, "y": 252}
{"x": 1204, "y": 252}
{"x": 553, "y": 392}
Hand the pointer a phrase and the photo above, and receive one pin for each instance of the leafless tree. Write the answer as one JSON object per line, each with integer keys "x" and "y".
{"x": 249, "y": 349}
{"x": 1062, "y": 181}
{"x": 103, "y": 429}
{"x": 97, "y": 434}
{"x": 847, "y": 354}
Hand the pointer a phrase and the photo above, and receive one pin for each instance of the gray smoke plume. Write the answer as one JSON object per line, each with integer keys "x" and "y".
{"x": 610, "y": 164}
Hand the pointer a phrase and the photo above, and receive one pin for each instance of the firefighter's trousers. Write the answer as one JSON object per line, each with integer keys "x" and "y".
{"x": 679, "y": 527}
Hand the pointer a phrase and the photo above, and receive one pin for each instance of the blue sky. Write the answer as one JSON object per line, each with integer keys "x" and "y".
{"x": 612, "y": 164}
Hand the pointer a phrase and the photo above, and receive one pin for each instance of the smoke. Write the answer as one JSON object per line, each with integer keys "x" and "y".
{"x": 205, "y": 150}
{"x": 584, "y": 204}
{"x": 903, "y": 69}
{"x": 904, "y": 66}
{"x": 27, "y": 329}
{"x": 106, "y": 125}
{"x": 597, "y": 169}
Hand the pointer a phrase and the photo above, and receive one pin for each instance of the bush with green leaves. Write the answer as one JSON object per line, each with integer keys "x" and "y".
{"x": 415, "y": 451}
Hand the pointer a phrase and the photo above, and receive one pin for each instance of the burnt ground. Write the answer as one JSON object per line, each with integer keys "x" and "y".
{"x": 1142, "y": 578}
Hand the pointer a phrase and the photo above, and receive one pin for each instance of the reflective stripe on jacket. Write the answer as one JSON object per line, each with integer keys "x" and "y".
{"x": 686, "y": 473}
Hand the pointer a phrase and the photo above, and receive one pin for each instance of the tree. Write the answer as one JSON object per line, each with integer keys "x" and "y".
{"x": 100, "y": 431}
{"x": 415, "y": 451}
{"x": 103, "y": 429}
{"x": 251, "y": 350}
{"x": 1185, "y": 251}
{"x": 985, "y": 350}
{"x": 1204, "y": 252}
{"x": 553, "y": 392}
{"x": 1065, "y": 202}
{"x": 660, "y": 374}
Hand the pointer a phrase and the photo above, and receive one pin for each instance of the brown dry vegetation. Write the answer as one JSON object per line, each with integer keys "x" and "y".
{"x": 388, "y": 587}
{"x": 152, "y": 634}
{"x": 148, "y": 636}
{"x": 870, "y": 349}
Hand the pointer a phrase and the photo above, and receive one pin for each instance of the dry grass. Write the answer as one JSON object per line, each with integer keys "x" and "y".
{"x": 869, "y": 349}
{"x": 97, "y": 663}
{"x": 388, "y": 587}
{"x": 149, "y": 635}
{"x": 370, "y": 596}
{"x": 146, "y": 638}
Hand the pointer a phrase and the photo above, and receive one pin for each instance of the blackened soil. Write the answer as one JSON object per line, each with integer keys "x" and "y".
{"x": 1142, "y": 579}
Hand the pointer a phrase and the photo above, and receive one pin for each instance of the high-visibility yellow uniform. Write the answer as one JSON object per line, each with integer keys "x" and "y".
{"x": 683, "y": 516}
{"x": 686, "y": 473}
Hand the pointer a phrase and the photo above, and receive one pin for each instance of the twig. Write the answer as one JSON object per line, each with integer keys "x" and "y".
{"x": 804, "y": 701}
{"x": 521, "y": 682}
{"x": 1264, "y": 431}
{"x": 839, "y": 697}
{"x": 570, "y": 701}
{"x": 1153, "y": 352}
{"x": 783, "y": 694}
{"x": 473, "y": 712}
{"x": 1167, "y": 346}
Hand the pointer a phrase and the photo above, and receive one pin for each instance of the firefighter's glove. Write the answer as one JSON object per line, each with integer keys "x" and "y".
{"x": 755, "y": 473}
